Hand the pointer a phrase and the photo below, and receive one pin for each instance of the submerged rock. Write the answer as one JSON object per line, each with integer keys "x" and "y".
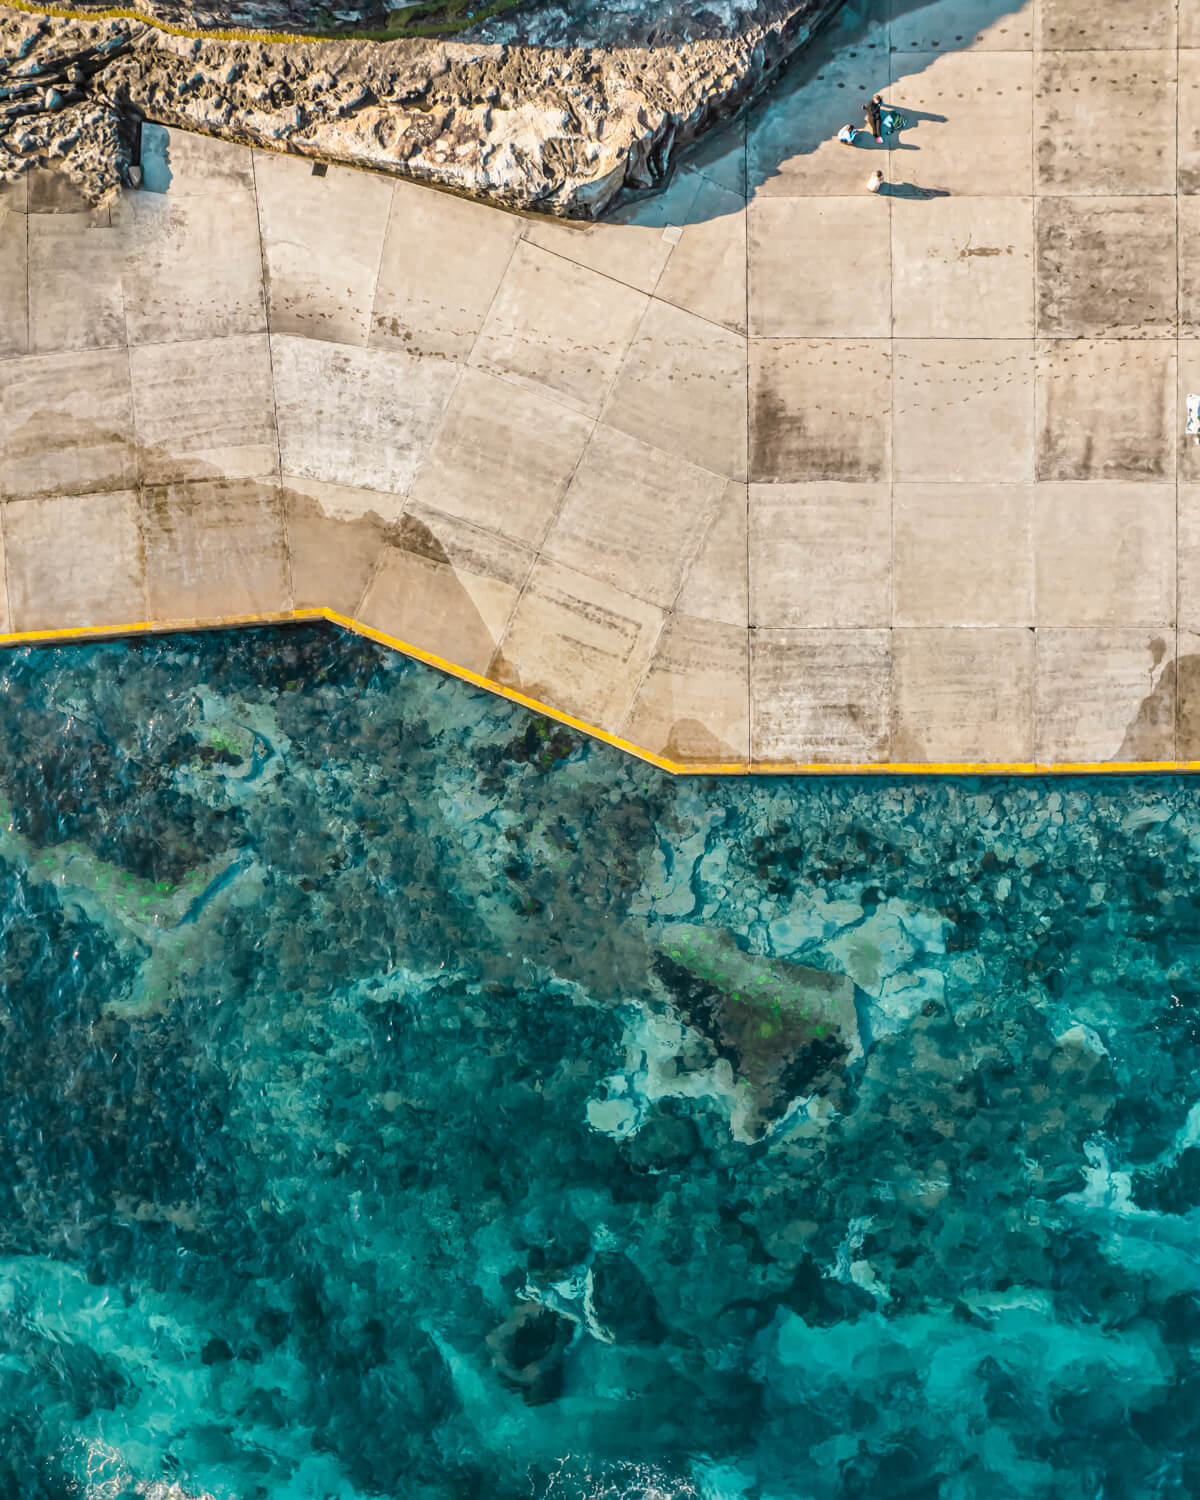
{"x": 787, "y": 1030}
{"x": 526, "y": 1351}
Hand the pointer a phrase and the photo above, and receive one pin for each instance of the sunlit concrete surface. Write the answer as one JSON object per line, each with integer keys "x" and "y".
{"x": 768, "y": 472}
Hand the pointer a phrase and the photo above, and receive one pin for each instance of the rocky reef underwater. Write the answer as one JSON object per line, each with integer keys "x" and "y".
{"x": 407, "y": 1097}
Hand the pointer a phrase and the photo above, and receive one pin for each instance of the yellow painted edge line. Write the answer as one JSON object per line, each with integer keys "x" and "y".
{"x": 121, "y": 13}
{"x": 238, "y": 34}
{"x": 535, "y": 705}
{"x": 503, "y": 691}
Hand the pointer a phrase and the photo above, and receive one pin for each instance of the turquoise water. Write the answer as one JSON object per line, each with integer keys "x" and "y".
{"x": 406, "y": 1097}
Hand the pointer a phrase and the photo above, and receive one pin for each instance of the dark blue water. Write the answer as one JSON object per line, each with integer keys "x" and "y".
{"x": 406, "y": 1097}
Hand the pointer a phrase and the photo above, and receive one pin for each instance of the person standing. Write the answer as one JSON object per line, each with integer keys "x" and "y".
{"x": 874, "y": 113}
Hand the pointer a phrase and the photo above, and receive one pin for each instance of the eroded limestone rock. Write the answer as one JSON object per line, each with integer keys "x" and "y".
{"x": 560, "y": 130}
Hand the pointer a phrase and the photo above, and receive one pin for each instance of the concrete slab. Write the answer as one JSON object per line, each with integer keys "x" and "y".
{"x": 682, "y": 388}
{"x": 1106, "y": 267}
{"x": 1106, "y": 122}
{"x": 348, "y": 502}
{"x": 1188, "y": 541}
{"x": 5, "y": 617}
{"x": 634, "y": 517}
{"x": 985, "y": 97}
{"x": 446, "y": 587}
{"x": 66, "y": 424}
{"x": 192, "y": 266}
{"x": 1188, "y": 210}
{"x": 578, "y": 643}
{"x": 215, "y": 549}
{"x": 188, "y": 165}
{"x": 1105, "y": 554}
{"x": 14, "y": 282}
{"x": 52, "y": 192}
{"x": 75, "y": 295}
{"x": 964, "y": 554}
{"x": 14, "y": 196}
{"x": 706, "y": 273}
{"x": 1123, "y": 24}
{"x": 715, "y": 586}
{"x": 820, "y": 555}
{"x": 1187, "y": 462}
{"x": 502, "y": 458}
{"x": 991, "y": 25}
{"x": 720, "y": 156}
{"x": 962, "y": 695}
{"x": 558, "y": 328}
{"x": 443, "y": 258}
{"x": 1188, "y": 123}
{"x": 360, "y": 417}
{"x": 1189, "y": 23}
{"x": 693, "y": 703}
{"x": 820, "y": 409}
{"x": 963, "y": 268}
{"x": 964, "y": 410}
{"x": 204, "y": 409}
{"x": 76, "y": 559}
{"x": 1105, "y": 409}
{"x": 629, "y": 246}
{"x": 792, "y": 146}
{"x": 322, "y": 238}
{"x": 646, "y": 333}
{"x": 819, "y": 696}
{"x": 1105, "y": 695}
{"x": 335, "y": 536}
{"x": 820, "y": 267}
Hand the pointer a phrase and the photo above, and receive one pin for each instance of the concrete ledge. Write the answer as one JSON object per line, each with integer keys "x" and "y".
{"x": 660, "y": 477}
{"x": 66, "y": 635}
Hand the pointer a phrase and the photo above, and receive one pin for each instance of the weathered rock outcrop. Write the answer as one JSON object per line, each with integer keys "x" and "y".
{"x": 558, "y": 129}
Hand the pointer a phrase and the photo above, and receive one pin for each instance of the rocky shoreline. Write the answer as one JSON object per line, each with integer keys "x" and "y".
{"x": 562, "y": 130}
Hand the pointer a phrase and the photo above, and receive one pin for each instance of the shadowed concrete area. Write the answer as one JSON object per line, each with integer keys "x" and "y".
{"x": 769, "y": 471}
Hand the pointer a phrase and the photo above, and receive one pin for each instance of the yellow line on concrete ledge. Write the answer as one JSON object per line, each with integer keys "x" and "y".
{"x": 675, "y": 768}
{"x": 123, "y": 13}
{"x": 239, "y": 34}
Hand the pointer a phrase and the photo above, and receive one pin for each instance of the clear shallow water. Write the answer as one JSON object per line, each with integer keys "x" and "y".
{"x": 404, "y": 1097}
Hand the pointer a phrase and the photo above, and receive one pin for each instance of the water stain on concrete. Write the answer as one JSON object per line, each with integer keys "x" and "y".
{"x": 1187, "y": 711}
{"x": 1150, "y": 735}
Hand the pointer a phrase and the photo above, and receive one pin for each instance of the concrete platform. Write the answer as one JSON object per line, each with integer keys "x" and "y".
{"x": 770, "y": 474}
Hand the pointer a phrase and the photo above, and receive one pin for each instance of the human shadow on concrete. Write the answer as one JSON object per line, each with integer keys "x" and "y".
{"x": 892, "y": 141}
{"x": 896, "y": 138}
{"x": 825, "y": 85}
{"x": 911, "y": 190}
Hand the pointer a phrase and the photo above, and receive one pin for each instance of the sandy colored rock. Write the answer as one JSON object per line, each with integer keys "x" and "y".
{"x": 499, "y": 115}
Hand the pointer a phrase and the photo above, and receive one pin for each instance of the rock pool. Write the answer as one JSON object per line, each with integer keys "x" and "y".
{"x": 407, "y": 1097}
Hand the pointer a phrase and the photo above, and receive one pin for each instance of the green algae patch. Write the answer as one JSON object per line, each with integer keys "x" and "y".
{"x": 785, "y": 1028}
